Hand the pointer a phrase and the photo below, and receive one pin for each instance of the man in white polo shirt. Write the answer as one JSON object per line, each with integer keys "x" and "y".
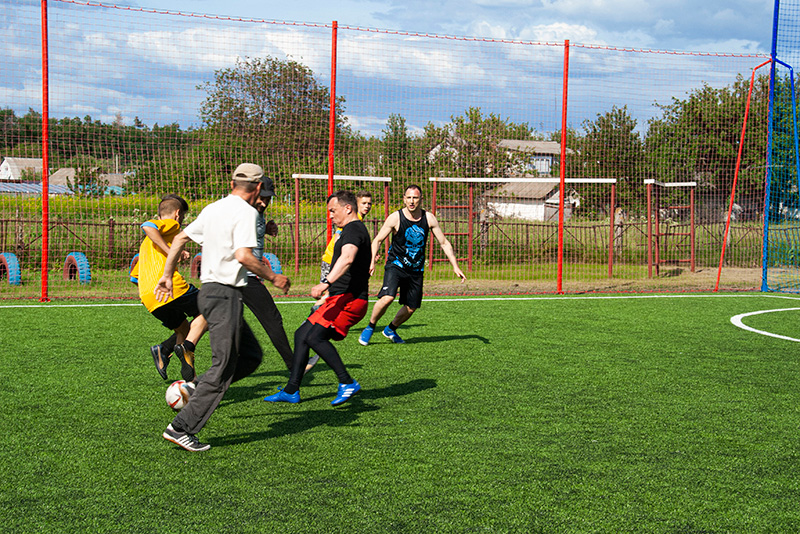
{"x": 226, "y": 230}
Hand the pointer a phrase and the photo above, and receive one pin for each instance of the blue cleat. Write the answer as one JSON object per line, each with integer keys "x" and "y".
{"x": 365, "y": 336}
{"x": 345, "y": 392}
{"x": 282, "y": 396}
{"x": 392, "y": 335}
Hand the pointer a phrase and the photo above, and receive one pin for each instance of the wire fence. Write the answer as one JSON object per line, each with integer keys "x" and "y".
{"x": 144, "y": 102}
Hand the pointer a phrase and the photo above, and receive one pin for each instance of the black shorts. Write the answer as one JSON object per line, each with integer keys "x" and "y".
{"x": 174, "y": 312}
{"x": 410, "y": 285}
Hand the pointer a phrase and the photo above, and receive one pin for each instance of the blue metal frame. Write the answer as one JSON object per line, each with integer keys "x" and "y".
{"x": 765, "y": 242}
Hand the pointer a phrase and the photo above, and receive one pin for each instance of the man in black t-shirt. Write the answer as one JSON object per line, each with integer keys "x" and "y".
{"x": 347, "y": 285}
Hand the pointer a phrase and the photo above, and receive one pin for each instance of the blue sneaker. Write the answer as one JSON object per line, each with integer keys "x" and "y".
{"x": 391, "y": 334}
{"x": 365, "y": 336}
{"x": 282, "y": 396}
{"x": 345, "y": 392}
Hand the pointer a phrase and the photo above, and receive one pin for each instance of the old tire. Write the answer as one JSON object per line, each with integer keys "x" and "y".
{"x": 76, "y": 267}
{"x": 9, "y": 268}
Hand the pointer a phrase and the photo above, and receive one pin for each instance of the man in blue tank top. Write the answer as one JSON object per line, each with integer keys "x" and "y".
{"x": 405, "y": 265}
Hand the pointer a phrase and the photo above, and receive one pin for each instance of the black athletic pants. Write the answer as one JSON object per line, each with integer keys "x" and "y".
{"x": 317, "y": 338}
{"x": 256, "y": 297}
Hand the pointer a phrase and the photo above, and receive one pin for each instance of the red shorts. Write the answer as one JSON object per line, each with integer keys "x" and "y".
{"x": 340, "y": 312}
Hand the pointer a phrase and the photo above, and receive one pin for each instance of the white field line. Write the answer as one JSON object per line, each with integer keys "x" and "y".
{"x": 737, "y": 320}
{"x": 455, "y": 299}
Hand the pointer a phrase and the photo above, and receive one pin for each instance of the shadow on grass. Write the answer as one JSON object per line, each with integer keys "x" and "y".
{"x": 428, "y": 339}
{"x": 239, "y": 393}
{"x": 346, "y": 415}
{"x": 439, "y": 339}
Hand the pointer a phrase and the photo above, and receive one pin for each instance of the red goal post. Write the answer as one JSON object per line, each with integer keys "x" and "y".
{"x": 466, "y": 203}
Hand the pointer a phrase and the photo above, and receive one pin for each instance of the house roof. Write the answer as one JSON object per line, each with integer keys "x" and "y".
{"x": 11, "y": 168}
{"x": 31, "y": 188}
{"x": 64, "y": 176}
{"x": 534, "y": 147}
{"x": 522, "y": 190}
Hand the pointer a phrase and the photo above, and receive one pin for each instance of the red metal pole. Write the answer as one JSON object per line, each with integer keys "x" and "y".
{"x": 433, "y": 210}
{"x": 736, "y": 172}
{"x": 469, "y": 227}
{"x": 562, "y": 170}
{"x": 385, "y": 200}
{"x": 332, "y": 121}
{"x": 296, "y": 225}
{"x": 611, "y": 232}
{"x": 691, "y": 226}
{"x": 650, "y": 230}
{"x": 657, "y": 241}
{"x": 385, "y": 216}
{"x": 45, "y": 157}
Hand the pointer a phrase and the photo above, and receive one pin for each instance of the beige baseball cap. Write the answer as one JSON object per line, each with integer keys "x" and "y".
{"x": 248, "y": 172}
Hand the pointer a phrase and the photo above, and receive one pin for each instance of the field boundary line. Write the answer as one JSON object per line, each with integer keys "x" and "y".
{"x": 447, "y": 299}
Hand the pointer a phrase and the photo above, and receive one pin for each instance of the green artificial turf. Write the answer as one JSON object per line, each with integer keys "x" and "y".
{"x": 650, "y": 414}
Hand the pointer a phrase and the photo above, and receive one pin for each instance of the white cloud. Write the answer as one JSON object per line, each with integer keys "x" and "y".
{"x": 558, "y": 32}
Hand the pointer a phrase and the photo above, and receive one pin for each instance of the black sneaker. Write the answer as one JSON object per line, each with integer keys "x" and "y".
{"x": 161, "y": 360}
{"x": 185, "y": 440}
{"x": 187, "y": 362}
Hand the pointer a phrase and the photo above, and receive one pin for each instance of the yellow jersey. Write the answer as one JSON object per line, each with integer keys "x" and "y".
{"x": 327, "y": 257}
{"x": 151, "y": 264}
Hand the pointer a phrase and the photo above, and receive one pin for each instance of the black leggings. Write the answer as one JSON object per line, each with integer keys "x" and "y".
{"x": 317, "y": 338}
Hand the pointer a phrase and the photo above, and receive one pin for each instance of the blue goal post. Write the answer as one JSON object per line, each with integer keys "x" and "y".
{"x": 781, "y": 240}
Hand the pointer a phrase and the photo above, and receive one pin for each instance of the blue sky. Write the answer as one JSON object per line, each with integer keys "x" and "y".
{"x": 106, "y": 62}
{"x": 742, "y": 26}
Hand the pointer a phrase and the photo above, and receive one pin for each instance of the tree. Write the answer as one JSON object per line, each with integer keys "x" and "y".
{"x": 396, "y": 142}
{"x": 470, "y": 145}
{"x": 611, "y": 148}
{"x": 697, "y": 139}
{"x": 87, "y": 176}
{"x": 278, "y": 104}
{"x": 784, "y": 185}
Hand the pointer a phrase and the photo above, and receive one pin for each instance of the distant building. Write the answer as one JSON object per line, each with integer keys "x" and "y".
{"x": 60, "y": 182}
{"x": 33, "y": 189}
{"x": 534, "y": 200}
{"x": 11, "y": 169}
{"x": 543, "y": 154}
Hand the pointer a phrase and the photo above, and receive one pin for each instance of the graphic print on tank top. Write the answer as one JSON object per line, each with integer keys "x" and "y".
{"x": 408, "y": 246}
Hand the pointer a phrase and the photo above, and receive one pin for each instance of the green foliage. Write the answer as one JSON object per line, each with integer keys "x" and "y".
{"x": 470, "y": 146}
{"x": 279, "y": 103}
{"x": 697, "y": 139}
{"x": 784, "y": 185}
{"x": 610, "y": 148}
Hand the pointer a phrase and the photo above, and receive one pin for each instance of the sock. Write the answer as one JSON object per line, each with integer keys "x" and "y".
{"x": 291, "y": 390}
{"x": 188, "y": 345}
{"x": 372, "y": 325}
{"x": 392, "y": 327}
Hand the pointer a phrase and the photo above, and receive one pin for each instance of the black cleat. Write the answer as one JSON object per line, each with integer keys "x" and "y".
{"x": 161, "y": 360}
{"x": 187, "y": 362}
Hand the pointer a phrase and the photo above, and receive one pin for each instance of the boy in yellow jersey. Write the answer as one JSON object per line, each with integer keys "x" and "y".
{"x": 172, "y": 313}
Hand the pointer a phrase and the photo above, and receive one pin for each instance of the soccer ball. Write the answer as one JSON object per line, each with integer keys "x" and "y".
{"x": 177, "y": 395}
